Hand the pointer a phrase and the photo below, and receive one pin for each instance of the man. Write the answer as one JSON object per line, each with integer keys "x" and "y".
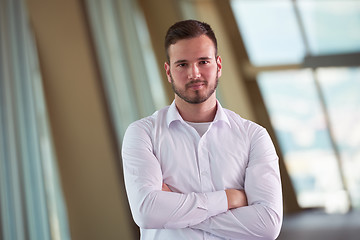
{"x": 194, "y": 170}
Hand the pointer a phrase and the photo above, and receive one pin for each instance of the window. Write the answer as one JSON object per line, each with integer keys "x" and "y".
{"x": 314, "y": 108}
{"x": 296, "y": 115}
{"x": 31, "y": 200}
{"x": 330, "y": 26}
{"x": 130, "y": 74}
{"x": 341, "y": 87}
{"x": 269, "y": 30}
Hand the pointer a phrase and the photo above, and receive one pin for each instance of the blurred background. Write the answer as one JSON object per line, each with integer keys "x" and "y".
{"x": 75, "y": 73}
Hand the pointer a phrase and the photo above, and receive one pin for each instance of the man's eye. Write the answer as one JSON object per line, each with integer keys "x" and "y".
{"x": 204, "y": 62}
{"x": 181, "y": 65}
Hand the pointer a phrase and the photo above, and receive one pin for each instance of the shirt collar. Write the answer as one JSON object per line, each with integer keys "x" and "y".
{"x": 174, "y": 115}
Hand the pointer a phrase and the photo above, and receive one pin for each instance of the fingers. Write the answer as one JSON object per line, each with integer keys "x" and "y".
{"x": 165, "y": 188}
{"x": 236, "y": 198}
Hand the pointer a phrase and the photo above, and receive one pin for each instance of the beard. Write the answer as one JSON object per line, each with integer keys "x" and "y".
{"x": 198, "y": 96}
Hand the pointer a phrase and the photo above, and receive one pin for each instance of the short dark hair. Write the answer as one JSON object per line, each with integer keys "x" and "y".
{"x": 188, "y": 29}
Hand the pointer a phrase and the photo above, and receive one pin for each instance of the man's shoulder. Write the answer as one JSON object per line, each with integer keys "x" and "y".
{"x": 152, "y": 120}
{"x": 238, "y": 120}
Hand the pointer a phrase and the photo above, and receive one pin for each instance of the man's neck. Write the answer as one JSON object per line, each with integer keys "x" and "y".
{"x": 201, "y": 112}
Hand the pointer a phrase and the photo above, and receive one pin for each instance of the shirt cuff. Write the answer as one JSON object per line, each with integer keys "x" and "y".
{"x": 217, "y": 203}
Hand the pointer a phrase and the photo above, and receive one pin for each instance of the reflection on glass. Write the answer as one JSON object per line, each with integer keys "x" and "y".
{"x": 300, "y": 127}
{"x": 331, "y": 26}
{"x": 341, "y": 88}
{"x": 270, "y": 31}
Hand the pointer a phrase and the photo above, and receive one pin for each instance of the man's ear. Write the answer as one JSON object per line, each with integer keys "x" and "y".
{"x": 219, "y": 66}
{"x": 167, "y": 70}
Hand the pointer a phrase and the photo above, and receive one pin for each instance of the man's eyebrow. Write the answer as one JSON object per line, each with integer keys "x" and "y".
{"x": 204, "y": 58}
{"x": 180, "y": 61}
{"x": 185, "y": 61}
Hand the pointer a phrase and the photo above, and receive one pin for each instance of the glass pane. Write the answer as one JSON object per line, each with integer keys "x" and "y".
{"x": 300, "y": 127}
{"x": 341, "y": 88}
{"x": 270, "y": 31}
{"x": 127, "y": 62}
{"x": 331, "y": 26}
{"x": 31, "y": 198}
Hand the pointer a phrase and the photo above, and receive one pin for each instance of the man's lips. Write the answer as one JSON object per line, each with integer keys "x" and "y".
{"x": 196, "y": 85}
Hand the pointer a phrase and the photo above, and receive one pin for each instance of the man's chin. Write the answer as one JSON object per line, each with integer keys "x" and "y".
{"x": 194, "y": 100}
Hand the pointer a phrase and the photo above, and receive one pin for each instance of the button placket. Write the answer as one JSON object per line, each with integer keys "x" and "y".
{"x": 204, "y": 168}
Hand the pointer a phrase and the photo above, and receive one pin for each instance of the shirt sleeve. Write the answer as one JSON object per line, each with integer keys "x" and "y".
{"x": 150, "y": 206}
{"x": 262, "y": 218}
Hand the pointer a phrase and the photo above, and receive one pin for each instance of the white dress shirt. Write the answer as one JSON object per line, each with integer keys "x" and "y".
{"x": 232, "y": 153}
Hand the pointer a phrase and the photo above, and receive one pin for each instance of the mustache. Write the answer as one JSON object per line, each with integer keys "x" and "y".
{"x": 195, "y": 82}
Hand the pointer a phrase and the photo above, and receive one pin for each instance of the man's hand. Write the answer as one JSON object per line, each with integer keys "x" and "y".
{"x": 236, "y": 198}
{"x": 165, "y": 188}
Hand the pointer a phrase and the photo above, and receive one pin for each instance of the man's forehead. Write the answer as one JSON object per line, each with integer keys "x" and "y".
{"x": 192, "y": 49}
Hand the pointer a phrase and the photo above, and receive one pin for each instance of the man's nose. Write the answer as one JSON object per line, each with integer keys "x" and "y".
{"x": 194, "y": 72}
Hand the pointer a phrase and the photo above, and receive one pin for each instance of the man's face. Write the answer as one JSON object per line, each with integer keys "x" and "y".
{"x": 194, "y": 69}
